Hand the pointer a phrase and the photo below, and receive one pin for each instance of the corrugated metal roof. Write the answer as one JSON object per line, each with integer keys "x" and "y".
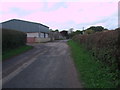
{"x": 25, "y": 26}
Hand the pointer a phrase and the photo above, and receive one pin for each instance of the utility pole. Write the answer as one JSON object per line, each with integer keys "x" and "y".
{"x": 83, "y": 30}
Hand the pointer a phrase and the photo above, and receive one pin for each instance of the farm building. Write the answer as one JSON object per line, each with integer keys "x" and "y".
{"x": 55, "y": 35}
{"x": 64, "y": 34}
{"x": 36, "y": 32}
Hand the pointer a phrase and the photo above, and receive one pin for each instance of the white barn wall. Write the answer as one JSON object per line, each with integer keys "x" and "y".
{"x": 41, "y": 35}
{"x": 37, "y": 35}
{"x": 32, "y": 34}
{"x": 46, "y": 35}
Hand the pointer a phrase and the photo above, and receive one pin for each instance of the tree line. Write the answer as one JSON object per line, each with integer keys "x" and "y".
{"x": 70, "y": 33}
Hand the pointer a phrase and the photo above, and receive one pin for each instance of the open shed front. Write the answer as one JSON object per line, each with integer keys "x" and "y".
{"x": 36, "y": 38}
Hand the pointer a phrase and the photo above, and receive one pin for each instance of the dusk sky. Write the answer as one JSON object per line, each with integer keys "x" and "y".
{"x": 63, "y": 14}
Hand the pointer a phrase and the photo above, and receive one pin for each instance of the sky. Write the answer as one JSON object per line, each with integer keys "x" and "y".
{"x": 63, "y": 14}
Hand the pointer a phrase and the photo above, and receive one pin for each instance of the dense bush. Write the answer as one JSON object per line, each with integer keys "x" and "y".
{"x": 105, "y": 46}
{"x": 12, "y": 39}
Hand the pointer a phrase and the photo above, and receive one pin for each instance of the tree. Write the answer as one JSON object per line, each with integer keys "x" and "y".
{"x": 56, "y": 30}
{"x": 89, "y": 31}
{"x": 50, "y": 30}
{"x": 96, "y": 28}
{"x": 71, "y": 30}
{"x": 75, "y": 33}
{"x": 78, "y": 32}
{"x": 65, "y": 34}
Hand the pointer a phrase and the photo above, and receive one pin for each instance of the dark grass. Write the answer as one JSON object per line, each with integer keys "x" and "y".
{"x": 13, "y": 52}
{"x": 91, "y": 71}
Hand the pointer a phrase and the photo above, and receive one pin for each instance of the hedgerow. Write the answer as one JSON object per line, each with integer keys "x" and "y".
{"x": 12, "y": 39}
{"x": 105, "y": 47}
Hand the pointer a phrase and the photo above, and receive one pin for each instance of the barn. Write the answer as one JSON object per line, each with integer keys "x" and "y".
{"x": 36, "y": 32}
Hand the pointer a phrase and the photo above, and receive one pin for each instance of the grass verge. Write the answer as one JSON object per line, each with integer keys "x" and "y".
{"x": 13, "y": 52}
{"x": 90, "y": 70}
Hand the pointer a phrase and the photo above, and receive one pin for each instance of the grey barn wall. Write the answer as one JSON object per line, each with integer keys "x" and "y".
{"x": 25, "y": 26}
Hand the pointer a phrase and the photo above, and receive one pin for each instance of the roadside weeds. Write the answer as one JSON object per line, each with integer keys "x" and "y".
{"x": 90, "y": 70}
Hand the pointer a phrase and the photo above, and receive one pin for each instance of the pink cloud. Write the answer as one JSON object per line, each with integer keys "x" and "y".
{"x": 8, "y": 17}
{"x": 78, "y": 12}
{"x": 22, "y": 5}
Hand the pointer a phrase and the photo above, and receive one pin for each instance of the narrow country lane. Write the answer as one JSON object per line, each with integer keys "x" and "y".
{"x": 49, "y": 65}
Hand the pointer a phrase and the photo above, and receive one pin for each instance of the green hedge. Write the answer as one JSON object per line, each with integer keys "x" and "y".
{"x": 12, "y": 39}
{"x": 105, "y": 46}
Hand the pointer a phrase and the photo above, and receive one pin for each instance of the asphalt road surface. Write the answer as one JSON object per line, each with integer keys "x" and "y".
{"x": 48, "y": 65}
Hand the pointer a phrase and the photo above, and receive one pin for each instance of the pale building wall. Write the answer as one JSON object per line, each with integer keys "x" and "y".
{"x": 46, "y": 35}
{"x": 32, "y": 34}
{"x": 34, "y": 37}
{"x": 41, "y": 35}
{"x": 42, "y": 39}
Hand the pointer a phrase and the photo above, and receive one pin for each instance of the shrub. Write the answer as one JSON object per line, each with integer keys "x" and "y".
{"x": 12, "y": 39}
{"x": 103, "y": 45}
